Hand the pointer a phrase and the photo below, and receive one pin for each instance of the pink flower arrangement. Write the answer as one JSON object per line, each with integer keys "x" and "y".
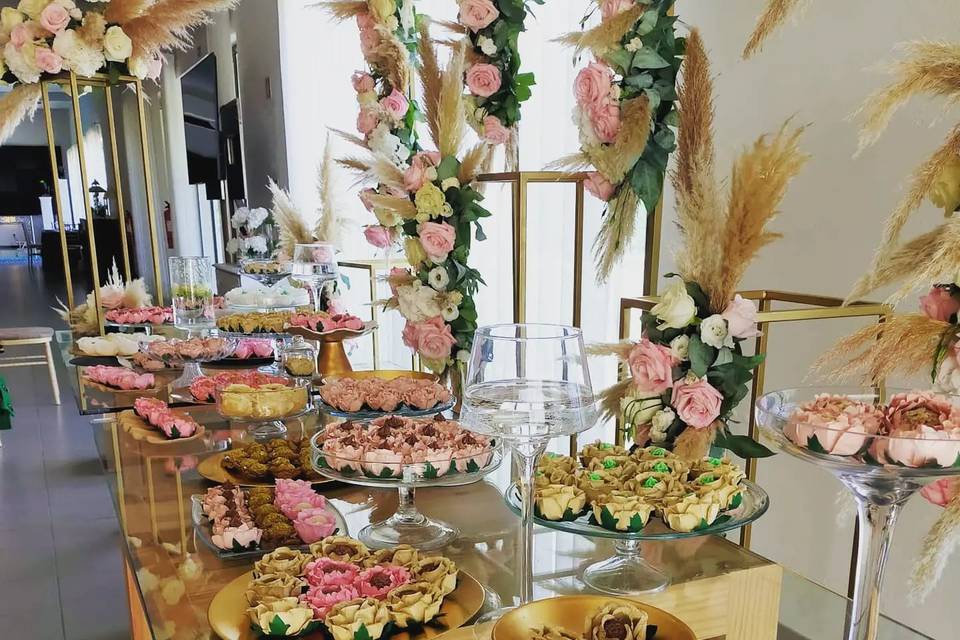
{"x": 432, "y": 338}
{"x": 362, "y": 82}
{"x": 367, "y": 121}
{"x": 378, "y": 236}
{"x": 483, "y": 79}
{"x": 54, "y": 18}
{"x": 395, "y": 105}
{"x": 592, "y": 86}
{"x": 379, "y": 580}
{"x": 477, "y": 14}
{"x": 651, "y": 367}
{"x": 941, "y": 492}
{"x": 696, "y": 403}
{"x": 322, "y": 598}
{"x": 494, "y": 132}
{"x": 415, "y": 175}
{"x": 939, "y": 304}
{"x": 438, "y": 239}
{"x": 47, "y": 60}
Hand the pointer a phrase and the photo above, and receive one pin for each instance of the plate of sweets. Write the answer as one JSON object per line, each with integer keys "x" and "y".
{"x": 237, "y": 522}
{"x": 328, "y": 327}
{"x": 260, "y": 323}
{"x": 282, "y": 295}
{"x": 589, "y": 617}
{"x": 118, "y": 378}
{"x": 340, "y": 589}
{"x": 249, "y": 352}
{"x": 371, "y": 394}
{"x": 204, "y": 388}
{"x": 190, "y": 350}
{"x": 265, "y": 271}
{"x": 261, "y": 464}
{"x": 152, "y": 420}
{"x": 140, "y": 316}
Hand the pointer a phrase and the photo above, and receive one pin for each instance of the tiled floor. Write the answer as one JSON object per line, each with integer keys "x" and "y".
{"x": 59, "y": 539}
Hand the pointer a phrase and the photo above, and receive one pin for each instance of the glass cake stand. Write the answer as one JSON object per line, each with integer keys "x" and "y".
{"x": 880, "y": 490}
{"x": 407, "y": 525}
{"x": 268, "y": 272}
{"x": 627, "y": 573}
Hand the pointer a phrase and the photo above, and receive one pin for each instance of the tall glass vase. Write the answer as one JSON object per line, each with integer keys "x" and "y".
{"x": 191, "y": 291}
{"x": 870, "y": 466}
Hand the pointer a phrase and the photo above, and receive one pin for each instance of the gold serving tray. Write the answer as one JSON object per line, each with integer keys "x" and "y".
{"x": 211, "y": 469}
{"x": 383, "y": 374}
{"x": 228, "y": 618}
{"x": 570, "y": 613}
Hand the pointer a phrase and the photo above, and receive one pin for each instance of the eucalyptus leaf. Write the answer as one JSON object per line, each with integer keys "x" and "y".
{"x": 647, "y": 58}
{"x": 742, "y": 446}
{"x": 701, "y": 356}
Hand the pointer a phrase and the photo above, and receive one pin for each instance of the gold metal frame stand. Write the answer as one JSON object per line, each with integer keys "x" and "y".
{"x": 72, "y": 84}
{"x": 813, "y": 308}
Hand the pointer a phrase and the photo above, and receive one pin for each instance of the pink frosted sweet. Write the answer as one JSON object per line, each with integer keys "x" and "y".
{"x": 314, "y": 524}
{"x": 382, "y": 462}
{"x": 245, "y": 536}
{"x": 840, "y": 424}
{"x": 322, "y": 598}
{"x": 325, "y": 571}
{"x": 379, "y": 580}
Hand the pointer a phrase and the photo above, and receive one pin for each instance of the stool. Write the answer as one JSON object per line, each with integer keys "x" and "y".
{"x": 21, "y": 336}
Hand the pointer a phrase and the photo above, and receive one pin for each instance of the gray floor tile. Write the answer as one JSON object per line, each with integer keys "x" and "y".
{"x": 47, "y": 627}
{"x": 88, "y": 557}
{"x": 95, "y": 616}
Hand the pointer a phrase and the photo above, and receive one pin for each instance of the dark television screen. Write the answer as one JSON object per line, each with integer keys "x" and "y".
{"x": 201, "y": 122}
{"x": 25, "y": 176}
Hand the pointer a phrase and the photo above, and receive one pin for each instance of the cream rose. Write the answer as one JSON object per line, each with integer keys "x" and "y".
{"x": 676, "y": 308}
{"x": 346, "y": 618}
{"x": 9, "y": 18}
{"x": 117, "y": 46}
{"x": 32, "y": 8}
{"x": 714, "y": 332}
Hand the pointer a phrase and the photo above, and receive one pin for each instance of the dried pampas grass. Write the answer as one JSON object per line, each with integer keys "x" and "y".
{"x": 904, "y": 344}
{"x": 329, "y": 225}
{"x": 403, "y": 207}
{"x": 606, "y": 34}
{"x": 342, "y": 10}
{"x": 619, "y": 349}
{"x": 616, "y": 231}
{"x": 16, "y": 106}
{"x": 757, "y": 187}
{"x": 572, "y": 162}
{"x": 358, "y": 165}
{"x": 122, "y": 11}
{"x": 699, "y": 209}
{"x": 473, "y": 162}
{"x": 938, "y": 545}
{"x": 293, "y": 228}
{"x": 774, "y": 15}
{"x": 615, "y": 160}
{"x": 93, "y": 29}
{"x": 430, "y": 80}
{"x": 900, "y": 263}
{"x": 931, "y": 68}
{"x": 452, "y": 125}
{"x": 610, "y": 399}
{"x": 392, "y": 59}
{"x": 352, "y": 138}
{"x": 694, "y": 444}
{"x": 165, "y": 25}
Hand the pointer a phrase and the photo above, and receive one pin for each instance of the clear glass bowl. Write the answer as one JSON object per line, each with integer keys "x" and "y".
{"x": 265, "y": 271}
{"x": 161, "y": 351}
{"x": 873, "y": 467}
{"x": 407, "y": 525}
{"x": 243, "y": 403}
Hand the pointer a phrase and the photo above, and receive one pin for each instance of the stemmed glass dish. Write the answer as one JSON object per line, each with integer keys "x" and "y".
{"x": 526, "y": 384}
{"x": 883, "y": 445}
{"x": 191, "y": 290}
{"x": 314, "y": 265}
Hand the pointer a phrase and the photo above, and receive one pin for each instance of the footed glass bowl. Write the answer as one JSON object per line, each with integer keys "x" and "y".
{"x": 627, "y": 573}
{"x": 161, "y": 350}
{"x": 881, "y": 471}
{"x": 267, "y": 272}
{"x": 407, "y": 525}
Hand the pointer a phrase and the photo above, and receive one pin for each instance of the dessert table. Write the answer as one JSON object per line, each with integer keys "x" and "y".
{"x": 719, "y": 589}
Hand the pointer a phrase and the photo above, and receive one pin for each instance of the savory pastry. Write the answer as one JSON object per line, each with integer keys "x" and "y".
{"x": 286, "y": 617}
{"x": 617, "y": 621}
{"x": 551, "y": 461}
{"x": 690, "y": 513}
{"x": 437, "y": 570}
{"x": 596, "y": 483}
{"x": 600, "y": 451}
{"x": 559, "y": 502}
{"x": 723, "y": 489}
{"x": 402, "y": 555}
{"x": 415, "y": 603}
{"x": 552, "y": 633}
{"x": 622, "y": 511}
{"x": 266, "y": 401}
{"x": 270, "y": 586}
{"x": 346, "y": 618}
{"x": 340, "y": 548}
{"x": 256, "y": 322}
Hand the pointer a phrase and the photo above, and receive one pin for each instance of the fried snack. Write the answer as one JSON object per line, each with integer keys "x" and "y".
{"x": 622, "y": 511}
{"x": 340, "y": 548}
{"x": 273, "y": 322}
{"x": 282, "y": 560}
{"x": 617, "y": 621}
{"x": 559, "y": 502}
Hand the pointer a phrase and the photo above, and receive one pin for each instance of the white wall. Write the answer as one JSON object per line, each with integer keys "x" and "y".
{"x": 819, "y": 70}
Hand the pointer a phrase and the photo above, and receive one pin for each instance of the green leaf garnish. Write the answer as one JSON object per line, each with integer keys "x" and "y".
{"x": 661, "y": 467}
{"x": 650, "y": 483}
{"x": 596, "y": 477}
{"x": 706, "y": 478}
{"x": 278, "y": 627}
{"x": 658, "y": 452}
{"x": 610, "y": 463}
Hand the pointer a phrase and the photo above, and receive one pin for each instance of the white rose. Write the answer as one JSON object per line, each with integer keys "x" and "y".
{"x": 439, "y": 278}
{"x": 634, "y": 45}
{"x": 680, "y": 347}
{"x": 239, "y": 217}
{"x": 256, "y": 217}
{"x": 487, "y": 45}
{"x": 639, "y": 410}
{"x": 233, "y": 246}
{"x": 450, "y": 312}
{"x": 948, "y": 376}
{"x": 138, "y": 67}
{"x": 449, "y": 183}
{"x": 77, "y": 55}
{"x": 71, "y": 8}
{"x": 663, "y": 419}
{"x": 417, "y": 303}
{"x": 676, "y": 308}
{"x": 588, "y": 136}
{"x": 22, "y": 62}
{"x": 463, "y": 355}
{"x": 367, "y": 98}
{"x": 117, "y": 45}
{"x": 713, "y": 332}
{"x": 9, "y": 18}
{"x": 33, "y": 8}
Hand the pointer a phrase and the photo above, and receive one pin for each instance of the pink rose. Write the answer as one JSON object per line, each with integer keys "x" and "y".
{"x": 365, "y": 21}
{"x": 395, "y": 105}
{"x": 365, "y": 198}
{"x": 410, "y": 334}
{"x": 606, "y": 121}
{"x": 54, "y": 18}
{"x": 362, "y": 82}
{"x": 611, "y": 8}
{"x": 651, "y": 366}
{"x": 434, "y": 339}
{"x": 592, "y": 86}
{"x": 741, "y": 317}
{"x": 437, "y": 239}
{"x": 47, "y": 60}
{"x": 21, "y": 34}
{"x": 367, "y": 121}
{"x": 369, "y": 41}
{"x": 942, "y": 491}
{"x": 432, "y": 156}
{"x": 477, "y": 14}
{"x": 483, "y": 80}
{"x": 378, "y": 236}
{"x": 938, "y": 304}
{"x": 416, "y": 174}
{"x": 494, "y": 132}
{"x": 697, "y": 403}
{"x": 599, "y": 186}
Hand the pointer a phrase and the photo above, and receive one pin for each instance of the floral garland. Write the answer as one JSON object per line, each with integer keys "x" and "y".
{"x": 688, "y": 370}
{"x": 625, "y": 111}
{"x": 494, "y": 80}
{"x": 387, "y": 115}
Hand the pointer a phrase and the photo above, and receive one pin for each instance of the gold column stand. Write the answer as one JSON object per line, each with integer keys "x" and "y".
{"x": 332, "y": 358}
{"x": 812, "y": 307}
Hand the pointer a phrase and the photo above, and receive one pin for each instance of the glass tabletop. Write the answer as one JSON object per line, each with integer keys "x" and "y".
{"x": 176, "y": 575}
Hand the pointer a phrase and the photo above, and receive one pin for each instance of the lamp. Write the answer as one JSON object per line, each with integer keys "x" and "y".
{"x": 98, "y": 205}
